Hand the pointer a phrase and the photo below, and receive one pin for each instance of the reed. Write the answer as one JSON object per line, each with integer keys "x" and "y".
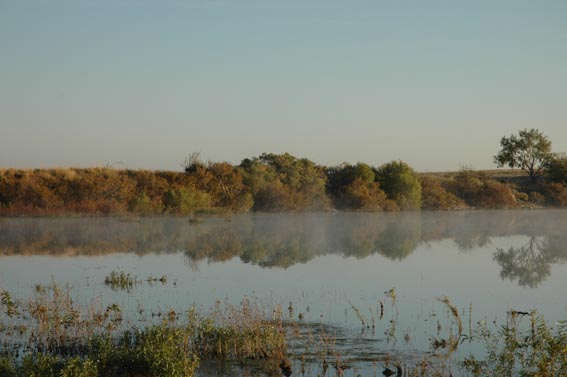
{"x": 525, "y": 347}
{"x": 121, "y": 280}
{"x": 63, "y": 338}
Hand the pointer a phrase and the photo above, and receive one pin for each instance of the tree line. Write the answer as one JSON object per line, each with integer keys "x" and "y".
{"x": 282, "y": 182}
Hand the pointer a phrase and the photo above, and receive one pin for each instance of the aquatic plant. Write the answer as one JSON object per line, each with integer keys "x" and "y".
{"x": 159, "y": 350}
{"x": 151, "y": 279}
{"x": 52, "y": 335}
{"x": 246, "y": 331}
{"x": 7, "y": 368}
{"x": 63, "y": 338}
{"x": 452, "y": 342}
{"x": 359, "y": 315}
{"x": 120, "y": 280}
{"x": 535, "y": 350}
{"x": 10, "y": 306}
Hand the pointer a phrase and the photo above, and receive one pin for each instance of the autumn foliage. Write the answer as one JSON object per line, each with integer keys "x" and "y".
{"x": 268, "y": 183}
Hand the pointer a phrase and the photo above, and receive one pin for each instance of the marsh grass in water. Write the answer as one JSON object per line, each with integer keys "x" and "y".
{"x": 152, "y": 279}
{"x": 61, "y": 338}
{"x": 51, "y": 335}
{"x": 159, "y": 350}
{"x": 121, "y": 280}
{"x": 525, "y": 346}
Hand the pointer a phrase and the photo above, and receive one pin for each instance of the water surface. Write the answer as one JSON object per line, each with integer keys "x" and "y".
{"x": 325, "y": 265}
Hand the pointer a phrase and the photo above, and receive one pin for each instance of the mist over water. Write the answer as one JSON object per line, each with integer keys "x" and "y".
{"x": 323, "y": 265}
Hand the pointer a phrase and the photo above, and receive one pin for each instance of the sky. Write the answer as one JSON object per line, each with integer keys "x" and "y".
{"x": 141, "y": 84}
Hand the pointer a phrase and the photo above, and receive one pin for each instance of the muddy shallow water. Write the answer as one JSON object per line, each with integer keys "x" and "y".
{"x": 332, "y": 270}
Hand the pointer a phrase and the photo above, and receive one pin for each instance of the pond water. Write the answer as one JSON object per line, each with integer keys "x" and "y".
{"x": 332, "y": 268}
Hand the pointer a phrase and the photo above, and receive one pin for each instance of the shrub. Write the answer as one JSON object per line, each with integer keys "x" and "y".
{"x": 99, "y": 184}
{"x": 476, "y": 189}
{"x": 142, "y": 204}
{"x": 354, "y": 187}
{"x": 467, "y": 184}
{"x": 185, "y": 200}
{"x": 109, "y": 206}
{"x": 151, "y": 183}
{"x": 345, "y": 174}
{"x": 226, "y": 187}
{"x": 555, "y": 193}
{"x": 495, "y": 195}
{"x": 284, "y": 182}
{"x": 435, "y": 197}
{"x": 25, "y": 189}
{"x": 536, "y": 198}
{"x": 391, "y": 205}
{"x": 271, "y": 197}
{"x": 361, "y": 195}
{"x": 556, "y": 170}
{"x": 401, "y": 184}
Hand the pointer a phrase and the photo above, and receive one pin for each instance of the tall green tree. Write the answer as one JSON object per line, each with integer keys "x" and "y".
{"x": 530, "y": 151}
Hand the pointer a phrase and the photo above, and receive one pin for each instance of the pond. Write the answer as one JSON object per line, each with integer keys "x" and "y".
{"x": 373, "y": 281}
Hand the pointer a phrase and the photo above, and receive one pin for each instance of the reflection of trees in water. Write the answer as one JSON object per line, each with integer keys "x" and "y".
{"x": 474, "y": 230}
{"x": 530, "y": 264}
{"x": 470, "y": 240}
{"x": 400, "y": 238}
{"x": 268, "y": 241}
{"x": 283, "y": 240}
{"x": 394, "y": 236}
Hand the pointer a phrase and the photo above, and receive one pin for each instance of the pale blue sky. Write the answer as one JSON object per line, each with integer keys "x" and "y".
{"x": 434, "y": 83}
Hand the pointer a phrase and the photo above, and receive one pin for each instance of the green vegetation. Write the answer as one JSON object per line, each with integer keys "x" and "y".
{"x": 158, "y": 350}
{"x": 120, "y": 280}
{"x": 282, "y": 182}
{"x": 354, "y": 187}
{"x": 477, "y": 190}
{"x": 518, "y": 351}
{"x": 556, "y": 170}
{"x": 50, "y": 335}
{"x": 529, "y": 151}
{"x": 401, "y": 184}
{"x": 285, "y": 183}
{"x": 435, "y": 196}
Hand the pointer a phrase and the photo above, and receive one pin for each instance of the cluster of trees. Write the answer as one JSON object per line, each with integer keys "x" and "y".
{"x": 282, "y": 182}
{"x": 270, "y": 182}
